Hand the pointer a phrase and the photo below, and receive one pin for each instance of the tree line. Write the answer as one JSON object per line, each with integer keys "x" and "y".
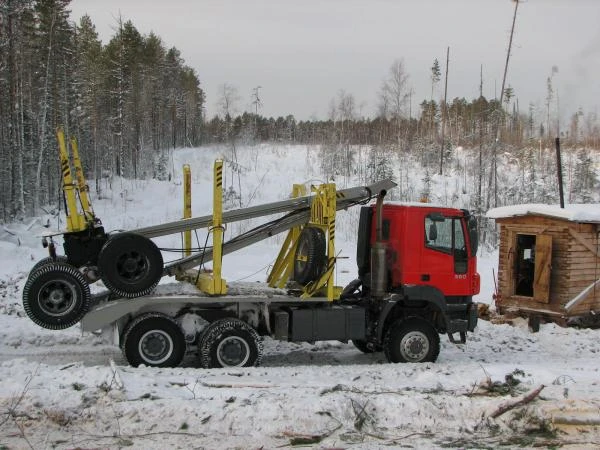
{"x": 125, "y": 101}
{"x": 130, "y": 101}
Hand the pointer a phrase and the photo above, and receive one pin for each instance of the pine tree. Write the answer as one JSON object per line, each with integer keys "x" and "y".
{"x": 53, "y": 49}
{"x": 88, "y": 78}
{"x": 585, "y": 180}
{"x": 436, "y": 75}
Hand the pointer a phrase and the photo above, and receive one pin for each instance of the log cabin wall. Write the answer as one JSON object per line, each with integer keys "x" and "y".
{"x": 572, "y": 266}
{"x": 584, "y": 273}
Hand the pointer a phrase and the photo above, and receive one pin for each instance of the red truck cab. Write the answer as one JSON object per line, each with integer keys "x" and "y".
{"x": 426, "y": 245}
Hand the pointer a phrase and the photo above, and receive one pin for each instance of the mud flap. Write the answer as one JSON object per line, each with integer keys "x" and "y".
{"x": 462, "y": 340}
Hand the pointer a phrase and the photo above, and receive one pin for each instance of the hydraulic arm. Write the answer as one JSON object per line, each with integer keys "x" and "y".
{"x": 345, "y": 198}
{"x": 298, "y": 213}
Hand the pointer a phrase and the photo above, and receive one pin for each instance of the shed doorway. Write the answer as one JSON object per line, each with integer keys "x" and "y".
{"x": 525, "y": 265}
{"x": 531, "y": 269}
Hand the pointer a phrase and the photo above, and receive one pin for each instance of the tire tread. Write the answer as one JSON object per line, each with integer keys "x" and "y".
{"x": 135, "y": 360}
{"x": 410, "y": 324}
{"x": 215, "y": 330}
{"x": 56, "y": 323}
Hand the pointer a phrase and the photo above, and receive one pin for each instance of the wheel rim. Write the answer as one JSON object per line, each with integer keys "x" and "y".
{"x": 155, "y": 347}
{"x": 132, "y": 266}
{"x": 414, "y": 346}
{"x": 57, "y": 297}
{"x": 233, "y": 351}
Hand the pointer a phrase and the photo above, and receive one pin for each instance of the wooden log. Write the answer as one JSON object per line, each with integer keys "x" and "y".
{"x": 507, "y": 406}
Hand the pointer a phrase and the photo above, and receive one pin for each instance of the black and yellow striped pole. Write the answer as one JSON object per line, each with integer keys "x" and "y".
{"x": 82, "y": 186}
{"x": 75, "y": 220}
{"x": 214, "y": 284}
{"x": 187, "y": 208}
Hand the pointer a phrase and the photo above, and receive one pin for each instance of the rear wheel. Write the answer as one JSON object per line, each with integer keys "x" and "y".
{"x": 130, "y": 265}
{"x": 310, "y": 258}
{"x": 229, "y": 343}
{"x": 56, "y": 296}
{"x": 411, "y": 340}
{"x": 155, "y": 340}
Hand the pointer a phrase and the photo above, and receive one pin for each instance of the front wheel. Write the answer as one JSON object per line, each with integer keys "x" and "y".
{"x": 411, "y": 340}
{"x": 56, "y": 296}
{"x": 155, "y": 340}
{"x": 229, "y": 343}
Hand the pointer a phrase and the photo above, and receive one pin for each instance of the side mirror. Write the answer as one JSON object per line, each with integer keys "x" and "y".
{"x": 473, "y": 235}
{"x": 432, "y": 233}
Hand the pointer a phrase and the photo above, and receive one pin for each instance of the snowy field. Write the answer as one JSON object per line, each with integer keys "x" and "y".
{"x": 67, "y": 390}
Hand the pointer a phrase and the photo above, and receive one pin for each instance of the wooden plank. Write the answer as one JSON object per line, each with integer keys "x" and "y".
{"x": 563, "y": 263}
{"x": 590, "y": 228}
{"x": 576, "y": 286}
{"x": 579, "y": 250}
{"x": 533, "y": 220}
{"x": 510, "y": 264}
{"x": 559, "y": 234}
{"x": 576, "y": 265}
{"x": 583, "y": 258}
{"x": 590, "y": 304}
{"x": 589, "y": 290}
{"x": 588, "y": 272}
{"x": 543, "y": 258}
{"x": 518, "y": 304}
{"x": 527, "y": 229}
{"x": 591, "y": 246}
{"x": 561, "y": 288}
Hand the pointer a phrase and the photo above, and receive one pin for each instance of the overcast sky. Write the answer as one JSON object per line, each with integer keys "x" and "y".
{"x": 302, "y": 52}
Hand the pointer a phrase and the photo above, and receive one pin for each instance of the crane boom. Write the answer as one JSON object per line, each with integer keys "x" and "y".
{"x": 345, "y": 198}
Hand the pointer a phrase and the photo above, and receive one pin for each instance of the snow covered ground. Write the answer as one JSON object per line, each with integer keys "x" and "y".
{"x": 64, "y": 389}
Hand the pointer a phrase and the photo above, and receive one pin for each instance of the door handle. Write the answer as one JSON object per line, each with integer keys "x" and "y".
{"x": 425, "y": 277}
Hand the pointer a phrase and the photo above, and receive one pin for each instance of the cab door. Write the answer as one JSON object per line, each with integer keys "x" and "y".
{"x": 445, "y": 262}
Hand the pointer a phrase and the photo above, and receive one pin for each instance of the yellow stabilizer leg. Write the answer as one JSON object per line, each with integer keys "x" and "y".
{"x": 213, "y": 284}
{"x": 187, "y": 208}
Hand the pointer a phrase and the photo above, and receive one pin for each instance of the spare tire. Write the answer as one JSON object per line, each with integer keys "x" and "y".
{"x": 130, "y": 265}
{"x": 310, "y": 258}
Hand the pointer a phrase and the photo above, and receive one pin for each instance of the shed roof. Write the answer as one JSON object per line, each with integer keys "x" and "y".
{"x": 588, "y": 213}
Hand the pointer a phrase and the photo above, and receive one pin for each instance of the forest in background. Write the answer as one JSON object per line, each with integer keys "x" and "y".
{"x": 131, "y": 101}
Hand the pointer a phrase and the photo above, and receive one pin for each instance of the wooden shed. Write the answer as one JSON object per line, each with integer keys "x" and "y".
{"x": 549, "y": 263}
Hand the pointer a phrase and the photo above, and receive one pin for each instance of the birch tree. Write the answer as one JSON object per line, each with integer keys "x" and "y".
{"x": 394, "y": 94}
{"x": 227, "y": 105}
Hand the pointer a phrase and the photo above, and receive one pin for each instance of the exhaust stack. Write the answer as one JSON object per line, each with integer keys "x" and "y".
{"x": 378, "y": 251}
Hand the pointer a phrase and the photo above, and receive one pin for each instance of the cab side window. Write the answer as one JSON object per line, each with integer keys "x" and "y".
{"x": 446, "y": 235}
{"x": 439, "y": 234}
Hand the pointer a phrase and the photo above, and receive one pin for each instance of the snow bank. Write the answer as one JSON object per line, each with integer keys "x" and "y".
{"x": 58, "y": 389}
